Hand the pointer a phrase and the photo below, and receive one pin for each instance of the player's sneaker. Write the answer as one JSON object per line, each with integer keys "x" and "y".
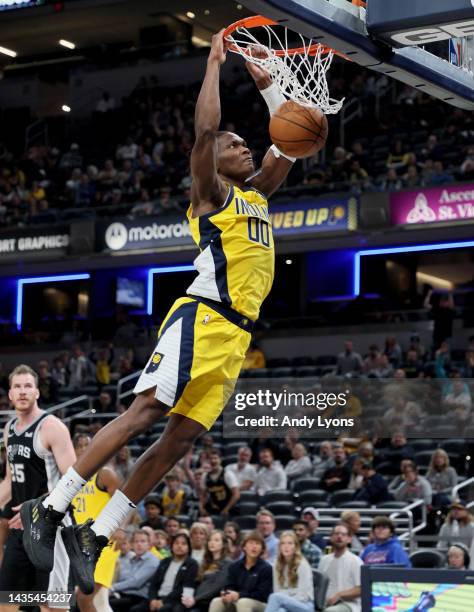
{"x": 83, "y": 547}
{"x": 40, "y": 525}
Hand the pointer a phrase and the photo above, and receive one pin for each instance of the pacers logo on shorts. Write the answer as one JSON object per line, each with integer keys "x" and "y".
{"x": 154, "y": 362}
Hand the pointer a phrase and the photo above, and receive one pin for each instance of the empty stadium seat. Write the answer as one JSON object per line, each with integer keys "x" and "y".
{"x": 392, "y": 504}
{"x": 339, "y": 497}
{"x": 249, "y": 496}
{"x": 355, "y": 504}
{"x": 281, "y": 507}
{"x": 246, "y": 522}
{"x": 284, "y": 522}
{"x": 246, "y": 508}
{"x": 312, "y": 497}
{"x": 421, "y": 445}
{"x": 423, "y": 458}
{"x": 277, "y": 496}
{"x": 321, "y": 585}
{"x": 427, "y": 558}
{"x": 305, "y": 484}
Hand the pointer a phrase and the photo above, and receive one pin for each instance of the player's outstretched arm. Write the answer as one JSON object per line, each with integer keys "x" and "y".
{"x": 275, "y": 166}
{"x": 207, "y": 187}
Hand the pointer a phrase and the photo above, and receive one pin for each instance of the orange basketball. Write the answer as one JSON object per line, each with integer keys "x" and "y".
{"x": 298, "y": 131}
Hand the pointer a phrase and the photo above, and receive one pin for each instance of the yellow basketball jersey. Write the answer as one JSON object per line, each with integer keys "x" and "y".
{"x": 172, "y": 505}
{"x": 237, "y": 260}
{"x": 89, "y": 501}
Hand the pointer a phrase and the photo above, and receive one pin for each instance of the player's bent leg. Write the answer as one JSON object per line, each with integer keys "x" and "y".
{"x": 39, "y": 522}
{"x": 84, "y": 543}
{"x": 144, "y": 412}
{"x": 176, "y": 440}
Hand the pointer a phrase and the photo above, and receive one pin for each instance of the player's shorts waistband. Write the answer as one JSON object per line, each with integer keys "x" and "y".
{"x": 231, "y": 315}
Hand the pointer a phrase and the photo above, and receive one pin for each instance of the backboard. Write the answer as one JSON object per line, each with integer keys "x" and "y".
{"x": 343, "y": 25}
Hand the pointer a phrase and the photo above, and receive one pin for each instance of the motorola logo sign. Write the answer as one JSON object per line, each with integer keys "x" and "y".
{"x": 116, "y": 236}
{"x": 119, "y": 236}
{"x": 431, "y": 34}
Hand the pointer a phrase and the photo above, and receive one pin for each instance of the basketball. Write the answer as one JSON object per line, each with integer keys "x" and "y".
{"x": 298, "y": 131}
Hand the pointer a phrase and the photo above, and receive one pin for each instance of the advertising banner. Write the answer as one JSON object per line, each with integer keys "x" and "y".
{"x": 454, "y": 203}
{"x": 30, "y": 243}
{"x": 302, "y": 217}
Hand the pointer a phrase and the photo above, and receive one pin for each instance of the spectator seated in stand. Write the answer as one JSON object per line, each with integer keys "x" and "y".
{"x": 457, "y": 528}
{"x": 458, "y": 557}
{"x": 337, "y": 477}
{"x": 349, "y": 362}
{"x": 131, "y": 589}
{"x": 199, "y": 535}
{"x": 397, "y": 450}
{"x": 152, "y": 512}
{"x": 311, "y": 552}
{"x": 351, "y": 519}
{"x": 293, "y": 589}
{"x": 311, "y": 517}
{"x": 244, "y": 472}
{"x": 266, "y": 528}
{"x": 373, "y": 489}
{"x": 220, "y": 489}
{"x": 173, "y": 497}
{"x": 324, "y": 460}
{"x": 385, "y": 547}
{"x": 234, "y": 540}
{"x": 414, "y": 487}
{"x": 300, "y": 464}
{"x": 270, "y": 475}
{"x": 212, "y": 574}
{"x": 173, "y": 575}
{"x": 249, "y": 582}
{"x": 342, "y": 567}
{"x": 442, "y": 478}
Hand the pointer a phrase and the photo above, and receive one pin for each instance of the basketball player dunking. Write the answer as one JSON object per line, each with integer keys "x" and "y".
{"x": 39, "y": 450}
{"x": 202, "y": 341}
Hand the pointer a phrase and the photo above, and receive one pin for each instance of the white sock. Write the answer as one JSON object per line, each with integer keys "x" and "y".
{"x": 112, "y": 516}
{"x": 62, "y": 494}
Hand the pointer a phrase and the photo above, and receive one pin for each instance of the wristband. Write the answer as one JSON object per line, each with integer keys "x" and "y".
{"x": 273, "y": 97}
{"x": 277, "y": 153}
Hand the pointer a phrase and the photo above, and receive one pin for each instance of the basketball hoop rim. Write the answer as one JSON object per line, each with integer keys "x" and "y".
{"x": 258, "y": 21}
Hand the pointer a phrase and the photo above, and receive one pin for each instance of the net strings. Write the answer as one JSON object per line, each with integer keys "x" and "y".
{"x": 301, "y": 77}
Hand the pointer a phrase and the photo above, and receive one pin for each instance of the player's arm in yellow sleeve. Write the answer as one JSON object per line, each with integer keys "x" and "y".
{"x": 275, "y": 166}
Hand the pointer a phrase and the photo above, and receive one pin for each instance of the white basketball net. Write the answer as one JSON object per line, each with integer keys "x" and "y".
{"x": 300, "y": 77}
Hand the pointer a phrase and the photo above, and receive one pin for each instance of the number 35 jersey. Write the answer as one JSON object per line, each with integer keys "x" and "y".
{"x": 33, "y": 468}
{"x": 236, "y": 265}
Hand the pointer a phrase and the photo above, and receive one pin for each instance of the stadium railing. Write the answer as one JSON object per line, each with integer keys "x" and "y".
{"x": 66, "y": 405}
{"x": 459, "y": 487}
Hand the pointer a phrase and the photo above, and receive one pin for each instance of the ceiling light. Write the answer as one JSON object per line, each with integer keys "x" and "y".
{"x": 190, "y": 14}
{"x": 6, "y": 51}
{"x": 65, "y": 108}
{"x": 66, "y": 43}
{"x": 207, "y": 12}
{"x": 288, "y": 262}
{"x": 239, "y": 7}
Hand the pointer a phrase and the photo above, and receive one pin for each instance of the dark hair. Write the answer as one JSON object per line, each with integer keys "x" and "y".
{"x": 185, "y": 537}
{"x": 383, "y": 521}
{"x": 301, "y": 522}
{"x": 23, "y": 369}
